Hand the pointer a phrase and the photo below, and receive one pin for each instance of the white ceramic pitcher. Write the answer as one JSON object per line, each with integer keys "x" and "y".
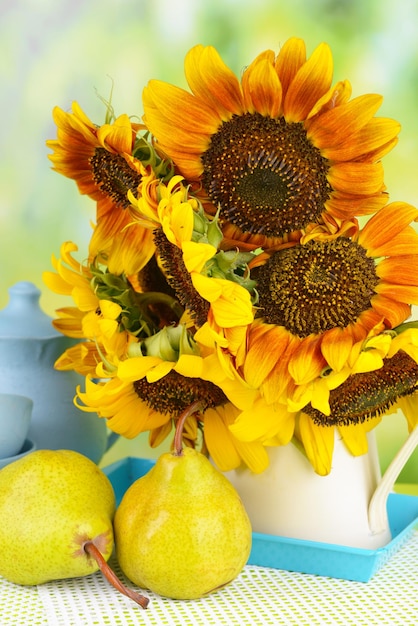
{"x": 347, "y": 507}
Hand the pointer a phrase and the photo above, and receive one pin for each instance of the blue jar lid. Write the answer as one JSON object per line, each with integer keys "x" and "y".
{"x": 23, "y": 316}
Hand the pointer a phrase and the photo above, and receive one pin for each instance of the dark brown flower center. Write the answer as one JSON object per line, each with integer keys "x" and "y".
{"x": 316, "y": 287}
{"x": 179, "y": 278}
{"x": 363, "y": 396}
{"x": 265, "y": 175}
{"x": 173, "y": 393}
{"x": 114, "y": 176}
{"x": 151, "y": 278}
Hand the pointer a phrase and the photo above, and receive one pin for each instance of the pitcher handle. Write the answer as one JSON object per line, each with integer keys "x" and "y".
{"x": 377, "y": 506}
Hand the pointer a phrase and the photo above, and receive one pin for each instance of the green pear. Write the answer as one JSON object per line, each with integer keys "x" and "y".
{"x": 181, "y": 530}
{"x": 52, "y": 502}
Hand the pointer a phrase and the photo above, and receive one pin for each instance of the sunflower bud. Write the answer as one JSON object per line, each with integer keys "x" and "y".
{"x": 206, "y": 230}
{"x": 168, "y": 344}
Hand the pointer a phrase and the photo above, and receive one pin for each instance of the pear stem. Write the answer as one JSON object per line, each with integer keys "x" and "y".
{"x": 197, "y": 405}
{"x": 110, "y": 575}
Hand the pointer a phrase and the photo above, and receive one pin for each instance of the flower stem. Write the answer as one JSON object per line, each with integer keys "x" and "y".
{"x": 377, "y": 506}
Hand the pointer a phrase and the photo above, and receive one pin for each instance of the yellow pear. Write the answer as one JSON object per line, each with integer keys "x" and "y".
{"x": 51, "y": 503}
{"x": 181, "y": 530}
{"x": 56, "y": 520}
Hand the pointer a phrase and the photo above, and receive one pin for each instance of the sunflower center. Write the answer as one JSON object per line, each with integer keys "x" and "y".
{"x": 317, "y": 286}
{"x": 265, "y": 175}
{"x": 367, "y": 395}
{"x": 113, "y": 175}
{"x": 173, "y": 393}
{"x": 179, "y": 278}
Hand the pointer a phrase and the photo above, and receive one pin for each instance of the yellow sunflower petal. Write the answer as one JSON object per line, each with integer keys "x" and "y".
{"x": 69, "y": 322}
{"x": 199, "y": 114}
{"x": 189, "y": 365}
{"x": 317, "y": 393}
{"x": 136, "y": 368}
{"x": 303, "y": 395}
{"x": 261, "y": 356}
{"x": 254, "y": 455}
{"x": 118, "y": 136}
{"x": 122, "y": 244}
{"x": 261, "y": 423}
{"x": 336, "y": 347}
{"x": 318, "y": 442}
{"x": 177, "y": 222}
{"x": 409, "y": 407}
{"x": 279, "y": 381}
{"x": 231, "y": 303}
{"x": 401, "y": 244}
{"x": 135, "y": 417}
{"x": 220, "y": 441}
{"x": 354, "y": 437}
{"x": 84, "y": 298}
{"x": 375, "y": 139}
{"x": 344, "y": 206}
{"x": 392, "y": 312}
{"x": 211, "y": 79}
{"x": 158, "y": 435}
{"x": 367, "y": 361}
{"x": 352, "y": 116}
{"x": 159, "y": 371}
{"x": 402, "y": 270}
{"x": 238, "y": 393}
{"x": 312, "y": 80}
{"x": 337, "y": 95}
{"x": 75, "y": 356}
{"x": 56, "y": 283}
{"x": 307, "y": 361}
{"x": 401, "y": 293}
{"x": 195, "y": 255}
{"x": 379, "y": 232}
{"x": 290, "y": 59}
{"x": 262, "y": 87}
{"x": 108, "y": 327}
{"x": 404, "y": 341}
{"x": 109, "y": 309}
{"x": 358, "y": 178}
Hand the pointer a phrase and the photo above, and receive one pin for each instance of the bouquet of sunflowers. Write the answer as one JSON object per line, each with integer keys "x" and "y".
{"x": 244, "y": 254}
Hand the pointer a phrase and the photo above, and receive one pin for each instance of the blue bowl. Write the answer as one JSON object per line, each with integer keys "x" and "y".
{"x": 28, "y": 446}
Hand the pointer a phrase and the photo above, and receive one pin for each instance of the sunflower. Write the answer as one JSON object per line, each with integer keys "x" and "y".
{"x": 120, "y": 244}
{"x": 210, "y": 283}
{"x": 93, "y": 318}
{"x": 382, "y": 377}
{"x": 318, "y": 300}
{"x": 109, "y": 313}
{"x": 72, "y": 278}
{"x": 102, "y": 161}
{"x": 149, "y": 390}
{"x": 280, "y": 149}
{"x": 358, "y": 405}
{"x": 98, "y": 158}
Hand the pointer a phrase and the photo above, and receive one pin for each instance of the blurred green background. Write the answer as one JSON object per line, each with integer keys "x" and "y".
{"x": 55, "y": 52}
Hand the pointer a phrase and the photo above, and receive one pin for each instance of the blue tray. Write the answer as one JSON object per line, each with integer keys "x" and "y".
{"x": 297, "y": 555}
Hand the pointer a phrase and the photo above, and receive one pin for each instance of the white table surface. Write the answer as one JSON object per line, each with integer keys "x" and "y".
{"x": 259, "y": 596}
